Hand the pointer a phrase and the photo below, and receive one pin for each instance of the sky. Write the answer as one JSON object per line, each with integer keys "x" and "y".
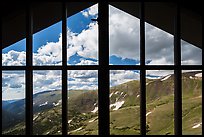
{"x": 82, "y": 49}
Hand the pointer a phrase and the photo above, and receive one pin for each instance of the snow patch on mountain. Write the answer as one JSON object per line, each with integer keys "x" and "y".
{"x": 198, "y": 75}
{"x": 124, "y": 95}
{"x": 58, "y": 103}
{"x": 90, "y": 121}
{"x": 191, "y": 77}
{"x": 43, "y": 104}
{"x": 165, "y": 78}
{"x": 77, "y": 129}
{"x": 148, "y": 113}
{"x": 69, "y": 121}
{"x": 36, "y": 117}
{"x": 138, "y": 96}
{"x": 47, "y": 132}
{"x": 117, "y": 105}
{"x": 111, "y": 95}
{"x": 95, "y": 110}
{"x": 197, "y": 125}
{"x": 95, "y": 104}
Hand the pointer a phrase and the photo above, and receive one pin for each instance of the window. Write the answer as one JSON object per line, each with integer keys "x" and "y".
{"x": 13, "y": 102}
{"x": 106, "y": 70}
{"x": 82, "y": 102}
{"x": 192, "y": 102}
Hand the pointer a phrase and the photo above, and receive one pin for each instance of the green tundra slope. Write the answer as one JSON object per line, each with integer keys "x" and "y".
{"x": 124, "y": 109}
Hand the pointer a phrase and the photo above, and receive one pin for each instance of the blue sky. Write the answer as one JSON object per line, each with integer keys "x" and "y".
{"x": 83, "y": 50}
{"x": 51, "y": 34}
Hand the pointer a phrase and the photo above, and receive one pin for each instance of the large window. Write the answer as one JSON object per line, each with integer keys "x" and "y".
{"x": 107, "y": 69}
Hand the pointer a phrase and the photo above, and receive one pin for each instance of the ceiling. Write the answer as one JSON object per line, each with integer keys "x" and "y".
{"x": 45, "y": 14}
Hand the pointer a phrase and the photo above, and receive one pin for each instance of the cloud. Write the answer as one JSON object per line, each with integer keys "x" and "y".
{"x": 159, "y": 73}
{"x": 92, "y": 11}
{"x": 121, "y": 76}
{"x": 85, "y": 43}
{"x": 87, "y": 62}
{"x": 124, "y": 34}
{"x": 191, "y": 55}
{"x": 13, "y": 85}
{"x": 124, "y": 43}
{"x": 14, "y": 58}
{"x": 49, "y": 54}
{"x": 47, "y": 80}
{"x": 159, "y": 46}
{"x": 83, "y": 79}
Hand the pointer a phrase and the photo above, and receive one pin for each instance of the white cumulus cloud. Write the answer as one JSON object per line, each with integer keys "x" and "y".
{"x": 92, "y": 11}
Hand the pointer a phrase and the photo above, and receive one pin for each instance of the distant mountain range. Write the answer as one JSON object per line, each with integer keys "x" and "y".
{"x": 124, "y": 109}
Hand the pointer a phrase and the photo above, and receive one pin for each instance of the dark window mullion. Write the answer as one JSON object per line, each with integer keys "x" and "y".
{"x": 29, "y": 71}
{"x": 177, "y": 74}
{"x": 202, "y": 79}
{"x": 142, "y": 71}
{"x": 64, "y": 69}
{"x": 1, "y": 70}
{"x": 103, "y": 74}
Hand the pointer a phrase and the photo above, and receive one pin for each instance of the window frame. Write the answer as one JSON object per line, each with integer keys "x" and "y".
{"x": 103, "y": 69}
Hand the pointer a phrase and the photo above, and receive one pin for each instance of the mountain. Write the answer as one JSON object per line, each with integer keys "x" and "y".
{"x": 124, "y": 108}
{"x": 76, "y": 58}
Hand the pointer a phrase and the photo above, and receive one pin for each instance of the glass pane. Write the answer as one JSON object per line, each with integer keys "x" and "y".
{"x": 159, "y": 46}
{"x": 13, "y": 102}
{"x": 13, "y": 40}
{"x": 124, "y": 36}
{"x": 15, "y": 54}
{"x": 124, "y": 102}
{"x": 159, "y": 40}
{"x": 160, "y": 102}
{"x": 190, "y": 54}
{"x": 82, "y": 35}
{"x": 47, "y": 115}
{"x": 83, "y": 102}
{"x": 47, "y": 43}
{"x": 191, "y": 34}
{"x": 192, "y": 102}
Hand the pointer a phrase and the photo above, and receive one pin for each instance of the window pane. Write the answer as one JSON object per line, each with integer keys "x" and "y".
{"x": 160, "y": 102}
{"x": 15, "y": 54}
{"x": 82, "y": 102}
{"x": 124, "y": 102}
{"x": 13, "y": 40}
{"x": 192, "y": 102}
{"x": 47, "y": 101}
{"x": 82, "y": 35}
{"x": 191, "y": 34}
{"x": 47, "y": 43}
{"x": 159, "y": 46}
{"x": 124, "y": 35}
{"x": 159, "y": 40}
{"x": 190, "y": 54}
{"x": 13, "y": 102}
